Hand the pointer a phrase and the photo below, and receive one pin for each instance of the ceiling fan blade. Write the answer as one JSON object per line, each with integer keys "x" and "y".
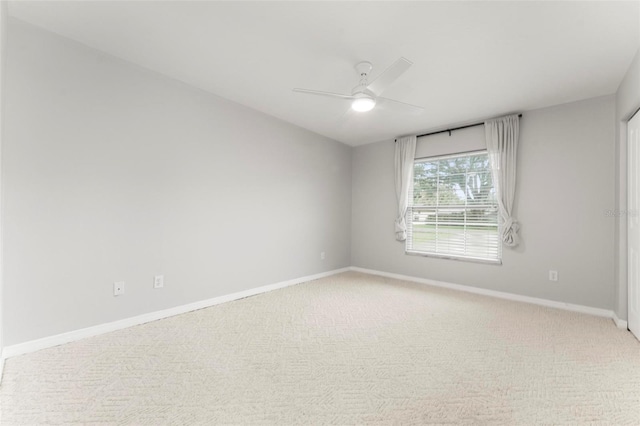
{"x": 400, "y": 106}
{"x": 389, "y": 75}
{"x": 328, "y": 94}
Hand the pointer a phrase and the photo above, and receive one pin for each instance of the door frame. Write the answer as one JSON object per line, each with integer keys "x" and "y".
{"x": 633, "y": 169}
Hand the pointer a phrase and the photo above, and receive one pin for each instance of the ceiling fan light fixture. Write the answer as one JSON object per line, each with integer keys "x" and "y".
{"x": 365, "y": 96}
{"x": 363, "y": 104}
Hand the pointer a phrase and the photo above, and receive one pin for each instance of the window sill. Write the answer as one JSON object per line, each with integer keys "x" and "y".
{"x": 451, "y": 257}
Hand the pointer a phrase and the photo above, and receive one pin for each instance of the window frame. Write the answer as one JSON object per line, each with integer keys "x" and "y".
{"x": 409, "y": 220}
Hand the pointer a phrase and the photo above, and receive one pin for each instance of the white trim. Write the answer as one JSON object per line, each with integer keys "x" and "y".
{"x": 620, "y": 323}
{"x": 72, "y": 336}
{"x": 59, "y": 339}
{"x": 499, "y": 294}
{"x": 452, "y": 257}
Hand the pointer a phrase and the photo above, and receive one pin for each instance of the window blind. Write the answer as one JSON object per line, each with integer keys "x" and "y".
{"x": 453, "y": 210}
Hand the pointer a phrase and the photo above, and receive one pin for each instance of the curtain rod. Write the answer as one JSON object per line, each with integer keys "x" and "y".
{"x": 452, "y": 129}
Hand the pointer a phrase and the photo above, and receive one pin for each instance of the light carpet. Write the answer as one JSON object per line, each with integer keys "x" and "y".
{"x": 347, "y": 349}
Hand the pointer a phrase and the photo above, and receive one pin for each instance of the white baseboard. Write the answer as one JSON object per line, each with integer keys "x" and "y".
{"x": 1, "y": 368}
{"x": 72, "y": 336}
{"x": 621, "y": 324}
{"x": 499, "y": 294}
{"x": 59, "y": 339}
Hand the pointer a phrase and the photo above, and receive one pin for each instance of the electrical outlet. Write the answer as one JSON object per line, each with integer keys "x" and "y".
{"x": 322, "y": 256}
{"x": 158, "y": 281}
{"x": 118, "y": 288}
{"x": 553, "y": 275}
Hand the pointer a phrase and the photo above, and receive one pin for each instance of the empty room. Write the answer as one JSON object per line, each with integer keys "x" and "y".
{"x": 298, "y": 212}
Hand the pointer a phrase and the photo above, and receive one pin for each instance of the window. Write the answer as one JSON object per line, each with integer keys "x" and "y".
{"x": 453, "y": 211}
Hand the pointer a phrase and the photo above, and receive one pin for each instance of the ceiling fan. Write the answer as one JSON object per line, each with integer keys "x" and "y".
{"x": 365, "y": 96}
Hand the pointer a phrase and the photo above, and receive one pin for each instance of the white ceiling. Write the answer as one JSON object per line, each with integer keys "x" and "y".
{"x": 472, "y": 60}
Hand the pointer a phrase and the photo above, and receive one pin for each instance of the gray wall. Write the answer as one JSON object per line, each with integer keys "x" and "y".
{"x": 3, "y": 32}
{"x": 565, "y": 185}
{"x": 627, "y": 102}
{"x": 112, "y": 172}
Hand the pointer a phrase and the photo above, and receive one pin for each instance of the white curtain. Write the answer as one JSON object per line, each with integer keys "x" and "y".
{"x": 502, "y": 145}
{"x": 405, "y": 153}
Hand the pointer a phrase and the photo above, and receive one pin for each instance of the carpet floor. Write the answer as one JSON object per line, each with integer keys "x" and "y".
{"x": 347, "y": 349}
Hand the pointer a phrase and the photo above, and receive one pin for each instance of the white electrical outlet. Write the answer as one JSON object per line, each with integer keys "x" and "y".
{"x": 158, "y": 281}
{"x": 118, "y": 288}
{"x": 553, "y": 275}
{"x": 322, "y": 256}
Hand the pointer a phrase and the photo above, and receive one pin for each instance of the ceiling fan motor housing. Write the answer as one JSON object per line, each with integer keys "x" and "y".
{"x": 363, "y": 69}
